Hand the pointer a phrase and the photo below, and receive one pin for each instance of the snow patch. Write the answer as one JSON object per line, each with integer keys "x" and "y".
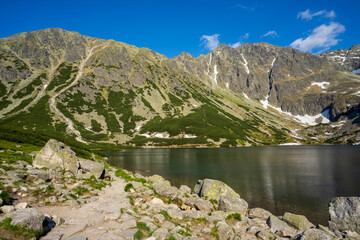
{"x": 45, "y": 86}
{"x": 340, "y": 124}
{"x": 189, "y": 136}
{"x": 357, "y": 93}
{"x": 272, "y": 64}
{"x": 265, "y": 103}
{"x": 246, "y": 96}
{"x": 155, "y": 135}
{"x": 357, "y": 71}
{"x": 138, "y": 128}
{"x": 145, "y": 135}
{"x": 245, "y": 64}
{"x": 290, "y": 144}
{"x": 321, "y": 84}
{"x": 227, "y": 85}
{"x": 215, "y": 74}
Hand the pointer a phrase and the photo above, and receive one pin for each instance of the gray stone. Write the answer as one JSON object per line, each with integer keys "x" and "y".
{"x": 165, "y": 188}
{"x": 160, "y": 234}
{"x": 29, "y": 218}
{"x": 298, "y": 221}
{"x": 175, "y": 214}
{"x": 21, "y": 205}
{"x": 128, "y": 234}
{"x": 199, "y": 204}
{"x": 55, "y": 155}
{"x": 159, "y": 218}
{"x": 53, "y": 236}
{"x": 345, "y": 213}
{"x": 225, "y": 231}
{"x": 259, "y": 213}
{"x": 77, "y": 238}
{"x": 168, "y": 225}
{"x": 1, "y": 202}
{"x": 233, "y": 204}
{"x": 277, "y": 225}
{"x": 7, "y": 208}
{"x": 127, "y": 224}
{"x": 213, "y": 189}
{"x": 313, "y": 234}
{"x": 185, "y": 189}
{"x": 88, "y": 168}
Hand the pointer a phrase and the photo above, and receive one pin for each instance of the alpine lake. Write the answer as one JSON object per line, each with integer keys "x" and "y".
{"x": 296, "y": 179}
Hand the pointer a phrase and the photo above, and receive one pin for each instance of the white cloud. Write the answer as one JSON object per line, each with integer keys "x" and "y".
{"x": 239, "y": 43}
{"x": 307, "y": 15}
{"x": 210, "y": 42}
{"x": 270, "y": 33}
{"x": 321, "y": 38}
{"x": 245, "y": 7}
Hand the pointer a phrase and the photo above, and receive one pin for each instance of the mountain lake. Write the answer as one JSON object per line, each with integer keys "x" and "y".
{"x": 296, "y": 179}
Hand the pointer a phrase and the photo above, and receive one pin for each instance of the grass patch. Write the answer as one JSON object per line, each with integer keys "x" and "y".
{"x": 121, "y": 173}
{"x": 165, "y": 214}
{"x": 131, "y": 200}
{"x": 20, "y": 231}
{"x": 128, "y": 187}
{"x": 80, "y": 191}
{"x": 233, "y": 217}
{"x": 4, "y": 195}
{"x": 143, "y": 230}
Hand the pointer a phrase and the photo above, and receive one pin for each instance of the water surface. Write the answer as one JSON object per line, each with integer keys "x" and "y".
{"x": 298, "y": 179}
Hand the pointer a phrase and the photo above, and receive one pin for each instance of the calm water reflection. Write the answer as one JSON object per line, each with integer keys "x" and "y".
{"x": 299, "y": 179}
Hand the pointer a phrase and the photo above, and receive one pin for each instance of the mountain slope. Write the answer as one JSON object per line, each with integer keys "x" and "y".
{"x": 101, "y": 91}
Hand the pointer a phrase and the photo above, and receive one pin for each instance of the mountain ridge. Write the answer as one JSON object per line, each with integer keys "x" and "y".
{"x": 103, "y": 91}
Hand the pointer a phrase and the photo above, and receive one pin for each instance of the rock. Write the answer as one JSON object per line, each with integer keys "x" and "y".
{"x": 160, "y": 234}
{"x": 175, "y": 214}
{"x": 313, "y": 234}
{"x": 233, "y": 204}
{"x": 157, "y": 201}
{"x": 156, "y": 178}
{"x": 1, "y": 202}
{"x": 277, "y": 225}
{"x": 199, "y": 204}
{"x": 168, "y": 225}
{"x": 77, "y": 238}
{"x": 7, "y": 209}
{"x": 165, "y": 188}
{"x": 185, "y": 189}
{"x": 29, "y": 218}
{"x": 128, "y": 234}
{"x": 259, "y": 213}
{"x": 53, "y": 236}
{"x": 88, "y": 168}
{"x": 55, "y": 155}
{"x": 213, "y": 189}
{"x": 225, "y": 231}
{"x": 21, "y": 205}
{"x": 159, "y": 218}
{"x": 264, "y": 235}
{"x": 127, "y": 224}
{"x": 58, "y": 220}
{"x": 351, "y": 235}
{"x": 298, "y": 221}
{"x": 345, "y": 214}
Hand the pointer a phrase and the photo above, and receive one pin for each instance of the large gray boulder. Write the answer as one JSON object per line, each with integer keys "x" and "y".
{"x": 277, "y": 225}
{"x": 55, "y": 155}
{"x": 259, "y": 213}
{"x": 233, "y": 204}
{"x": 345, "y": 213}
{"x": 199, "y": 204}
{"x": 88, "y": 168}
{"x": 213, "y": 189}
{"x": 298, "y": 221}
{"x": 29, "y": 218}
{"x": 313, "y": 234}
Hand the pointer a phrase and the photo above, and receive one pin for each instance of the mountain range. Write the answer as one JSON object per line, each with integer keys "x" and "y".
{"x": 99, "y": 91}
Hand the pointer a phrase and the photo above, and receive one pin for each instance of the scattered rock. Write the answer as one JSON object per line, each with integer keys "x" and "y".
{"x": 29, "y": 218}
{"x": 175, "y": 214}
{"x": 165, "y": 188}
{"x": 233, "y": 204}
{"x": 213, "y": 189}
{"x": 313, "y": 234}
{"x": 199, "y": 204}
{"x": 185, "y": 189}
{"x": 345, "y": 213}
{"x": 298, "y": 221}
{"x": 7, "y": 209}
{"x": 21, "y": 205}
{"x": 160, "y": 234}
{"x": 277, "y": 225}
{"x": 225, "y": 231}
{"x": 156, "y": 178}
{"x": 259, "y": 213}
{"x": 157, "y": 201}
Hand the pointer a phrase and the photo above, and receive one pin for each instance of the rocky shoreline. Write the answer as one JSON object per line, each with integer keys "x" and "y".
{"x": 60, "y": 196}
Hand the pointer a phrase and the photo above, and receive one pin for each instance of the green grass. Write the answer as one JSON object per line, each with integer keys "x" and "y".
{"x": 128, "y": 187}
{"x": 165, "y": 214}
{"x": 121, "y": 173}
{"x": 143, "y": 230}
{"x": 80, "y": 191}
{"x": 131, "y": 200}
{"x": 20, "y": 231}
{"x": 234, "y": 216}
{"x": 4, "y": 195}
{"x": 30, "y": 88}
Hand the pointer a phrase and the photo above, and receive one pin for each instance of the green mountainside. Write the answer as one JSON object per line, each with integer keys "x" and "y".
{"x": 61, "y": 84}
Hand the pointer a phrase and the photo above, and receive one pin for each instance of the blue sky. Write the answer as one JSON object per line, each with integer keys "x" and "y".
{"x": 171, "y": 27}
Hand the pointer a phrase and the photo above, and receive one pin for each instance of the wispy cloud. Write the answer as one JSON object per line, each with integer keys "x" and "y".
{"x": 248, "y": 8}
{"x": 270, "y": 33}
{"x": 307, "y": 15}
{"x": 322, "y": 38}
{"x": 210, "y": 42}
{"x": 239, "y": 43}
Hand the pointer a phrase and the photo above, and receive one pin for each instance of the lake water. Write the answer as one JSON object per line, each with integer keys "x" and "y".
{"x": 298, "y": 179}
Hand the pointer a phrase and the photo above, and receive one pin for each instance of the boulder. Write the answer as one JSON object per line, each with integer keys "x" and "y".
{"x": 277, "y": 225}
{"x": 175, "y": 214}
{"x": 165, "y": 188}
{"x": 233, "y": 204}
{"x": 199, "y": 204}
{"x": 29, "y": 218}
{"x": 155, "y": 178}
{"x": 185, "y": 189}
{"x": 313, "y": 234}
{"x": 213, "y": 189}
{"x": 225, "y": 231}
{"x": 7, "y": 208}
{"x": 298, "y": 221}
{"x": 345, "y": 214}
{"x": 55, "y": 155}
{"x": 88, "y": 168}
{"x": 259, "y": 213}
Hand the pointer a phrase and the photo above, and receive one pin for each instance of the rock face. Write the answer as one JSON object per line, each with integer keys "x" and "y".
{"x": 233, "y": 204}
{"x": 213, "y": 189}
{"x": 199, "y": 204}
{"x": 298, "y": 221}
{"x": 345, "y": 213}
{"x": 29, "y": 218}
{"x": 349, "y": 59}
{"x": 55, "y": 155}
